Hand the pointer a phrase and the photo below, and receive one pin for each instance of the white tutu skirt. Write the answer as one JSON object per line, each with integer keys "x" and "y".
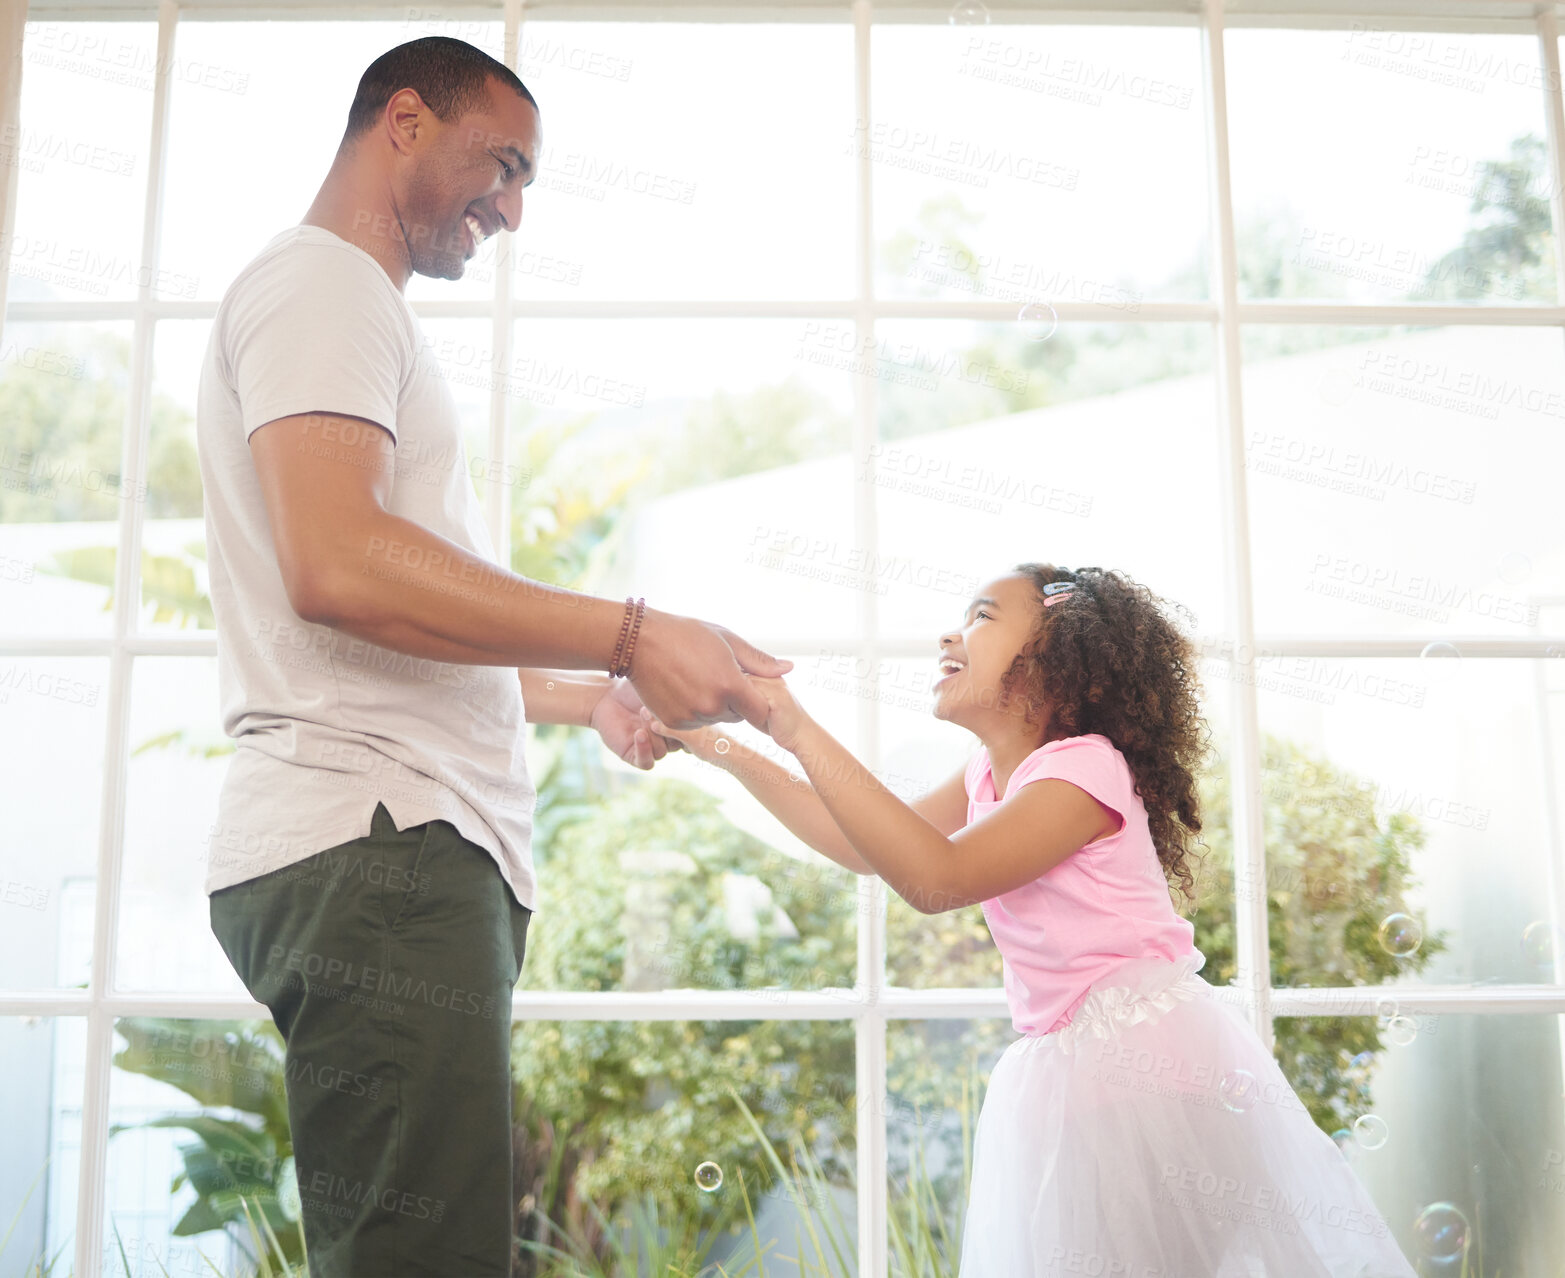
{"x": 1156, "y": 1137}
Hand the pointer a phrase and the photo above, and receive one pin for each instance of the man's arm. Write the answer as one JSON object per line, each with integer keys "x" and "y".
{"x": 349, "y": 563}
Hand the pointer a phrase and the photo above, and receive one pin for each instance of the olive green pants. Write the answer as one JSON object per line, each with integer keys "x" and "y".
{"x": 388, "y": 964}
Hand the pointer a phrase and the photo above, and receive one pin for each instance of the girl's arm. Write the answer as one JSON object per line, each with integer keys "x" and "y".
{"x": 793, "y": 800}
{"x": 587, "y": 699}
{"x": 1029, "y": 834}
{"x": 570, "y": 700}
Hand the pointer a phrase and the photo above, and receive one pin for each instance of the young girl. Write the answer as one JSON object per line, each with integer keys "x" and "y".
{"x": 1140, "y": 1128}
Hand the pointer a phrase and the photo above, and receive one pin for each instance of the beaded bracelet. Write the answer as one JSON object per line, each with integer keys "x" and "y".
{"x": 634, "y": 608}
{"x": 624, "y": 629}
{"x": 635, "y": 629}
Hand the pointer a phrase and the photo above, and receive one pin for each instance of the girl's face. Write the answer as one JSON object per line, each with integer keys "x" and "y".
{"x": 999, "y": 620}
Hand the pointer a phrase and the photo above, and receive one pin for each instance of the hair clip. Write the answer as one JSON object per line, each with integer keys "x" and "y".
{"x": 1054, "y": 591}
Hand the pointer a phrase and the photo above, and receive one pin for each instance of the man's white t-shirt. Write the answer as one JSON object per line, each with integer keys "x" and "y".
{"x": 326, "y": 724}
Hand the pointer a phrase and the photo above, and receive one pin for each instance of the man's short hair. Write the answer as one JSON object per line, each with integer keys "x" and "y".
{"x": 451, "y": 76}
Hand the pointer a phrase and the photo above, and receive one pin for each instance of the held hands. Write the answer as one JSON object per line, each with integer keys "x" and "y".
{"x": 617, "y": 717}
{"x": 785, "y": 721}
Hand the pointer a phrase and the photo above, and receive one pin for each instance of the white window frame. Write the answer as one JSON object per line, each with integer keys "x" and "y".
{"x": 871, "y": 1004}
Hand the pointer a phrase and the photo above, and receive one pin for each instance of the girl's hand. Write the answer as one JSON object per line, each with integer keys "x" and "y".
{"x": 701, "y": 742}
{"x": 787, "y": 719}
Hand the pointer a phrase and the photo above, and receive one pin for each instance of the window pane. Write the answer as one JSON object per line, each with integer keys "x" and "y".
{"x": 1419, "y": 171}
{"x": 251, "y": 136}
{"x": 41, "y": 1113}
{"x": 1465, "y": 1161}
{"x": 1012, "y": 163}
{"x": 1408, "y": 818}
{"x": 226, "y": 1080}
{"x": 937, "y": 1072}
{"x": 679, "y": 878}
{"x": 971, "y": 480}
{"x": 1381, "y": 499}
{"x": 684, "y": 160}
{"x": 178, "y": 757}
{"x": 175, "y": 593}
{"x": 659, "y": 1124}
{"x": 63, "y": 391}
{"x": 51, "y": 784}
{"x": 81, "y": 151}
{"x": 702, "y": 464}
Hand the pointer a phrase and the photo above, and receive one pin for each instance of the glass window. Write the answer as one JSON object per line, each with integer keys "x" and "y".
{"x": 80, "y": 151}
{"x": 1389, "y": 166}
{"x": 1012, "y": 163}
{"x": 1379, "y": 502}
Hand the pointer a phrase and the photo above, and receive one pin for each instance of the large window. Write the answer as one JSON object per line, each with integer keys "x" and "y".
{"x": 817, "y": 317}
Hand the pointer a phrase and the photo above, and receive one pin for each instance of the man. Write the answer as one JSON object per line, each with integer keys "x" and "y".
{"x": 370, "y": 873}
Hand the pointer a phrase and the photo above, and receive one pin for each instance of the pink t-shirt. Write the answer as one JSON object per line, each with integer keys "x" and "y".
{"x": 1104, "y": 904}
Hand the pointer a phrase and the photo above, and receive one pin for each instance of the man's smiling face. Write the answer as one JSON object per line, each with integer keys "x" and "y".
{"x": 467, "y": 179}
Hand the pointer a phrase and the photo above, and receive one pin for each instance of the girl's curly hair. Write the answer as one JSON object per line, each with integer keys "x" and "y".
{"x": 1106, "y": 659}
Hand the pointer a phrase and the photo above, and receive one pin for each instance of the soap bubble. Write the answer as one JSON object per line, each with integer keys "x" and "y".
{"x": 1440, "y": 649}
{"x": 1334, "y": 386}
{"x": 709, "y": 1177}
{"x": 968, "y": 13}
{"x": 1540, "y": 943}
{"x": 1401, "y": 935}
{"x": 1344, "y": 1139}
{"x": 1402, "y": 1030}
{"x": 1441, "y": 1232}
{"x": 721, "y": 745}
{"x": 1515, "y": 568}
{"x": 1370, "y": 1131}
{"x": 1239, "y": 1090}
{"x": 1038, "y": 320}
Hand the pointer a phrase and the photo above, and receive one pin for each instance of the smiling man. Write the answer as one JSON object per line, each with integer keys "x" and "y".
{"x": 370, "y": 870}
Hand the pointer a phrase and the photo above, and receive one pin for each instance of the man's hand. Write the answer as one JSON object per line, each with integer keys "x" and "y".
{"x": 617, "y": 719}
{"x": 691, "y": 673}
